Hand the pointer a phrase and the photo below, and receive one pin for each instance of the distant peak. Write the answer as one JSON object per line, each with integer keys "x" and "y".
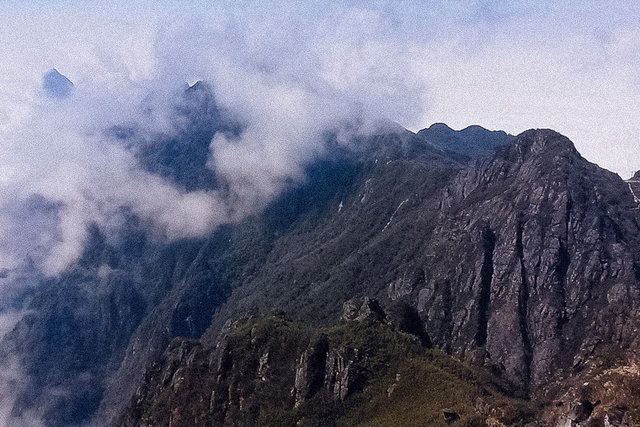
{"x": 438, "y": 127}
{"x": 542, "y": 139}
{"x": 472, "y": 141}
{"x": 56, "y": 85}
{"x": 199, "y": 85}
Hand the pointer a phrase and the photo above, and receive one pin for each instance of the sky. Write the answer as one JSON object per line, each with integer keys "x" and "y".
{"x": 289, "y": 71}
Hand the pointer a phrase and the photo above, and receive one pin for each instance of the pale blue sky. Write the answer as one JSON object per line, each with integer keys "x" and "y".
{"x": 502, "y": 64}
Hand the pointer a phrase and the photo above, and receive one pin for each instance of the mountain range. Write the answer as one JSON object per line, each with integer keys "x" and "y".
{"x": 502, "y": 271}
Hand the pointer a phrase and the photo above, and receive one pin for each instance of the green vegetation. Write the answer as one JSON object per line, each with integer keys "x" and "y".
{"x": 396, "y": 381}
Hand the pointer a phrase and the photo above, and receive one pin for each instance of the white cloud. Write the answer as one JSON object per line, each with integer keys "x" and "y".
{"x": 289, "y": 72}
{"x": 13, "y": 381}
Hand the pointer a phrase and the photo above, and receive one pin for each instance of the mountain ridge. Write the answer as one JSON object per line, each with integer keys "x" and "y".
{"x": 519, "y": 255}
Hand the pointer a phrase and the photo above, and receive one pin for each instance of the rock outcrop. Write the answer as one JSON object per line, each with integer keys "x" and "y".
{"x": 272, "y": 371}
{"x": 310, "y": 372}
{"x": 537, "y": 256}
{"x": 526, "y": 261}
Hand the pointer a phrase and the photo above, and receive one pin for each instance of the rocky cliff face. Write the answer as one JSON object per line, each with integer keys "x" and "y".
{"x": 270, "y": 370}
{"x": 534, "y": 260}
{"x": 525, "y": 260}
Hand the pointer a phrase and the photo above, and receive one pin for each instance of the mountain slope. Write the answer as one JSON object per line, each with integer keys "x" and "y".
{"x": 545, "y": 269}
{"x": 270, "y": 370}
{"x": 472, "y": 141}
{"x": 305, "y": 228}
{"x": 524, "y": 260}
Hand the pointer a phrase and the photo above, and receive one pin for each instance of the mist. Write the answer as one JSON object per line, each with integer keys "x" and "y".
{"x": 288, "y": 73}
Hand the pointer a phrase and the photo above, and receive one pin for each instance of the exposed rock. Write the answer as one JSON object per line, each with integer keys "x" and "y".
{"x": 335, "y": 370}
{"x": 617, "y": 417}
{"x": 359, "y": 309}
{"x": 393, "y": 386}
{"x": 264, "y": 365}
{"x": 529, "y": 258}
{"x": 404, "y": 285}
{"x": 342, "y": 374}
{"x": 533, "y": 245}
{"x": 224, "y": 389}
{"x": 310, "y": 371}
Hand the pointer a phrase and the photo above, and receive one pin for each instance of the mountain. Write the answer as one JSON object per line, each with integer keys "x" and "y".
{"x": 473, "y": 141}
{"x": 634, "y": 186}
{"x": 514, "y": 257}
{"x": 272, "y": 370}
{"x": 56, "y": 85}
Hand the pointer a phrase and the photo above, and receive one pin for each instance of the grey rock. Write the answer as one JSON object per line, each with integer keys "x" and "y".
{"x": 56, "y": 85}
{"x": 310, "y": 371}
{"x": 537, "y": 244}
{"x": 342, "y": 375}
{"x": 359, "y": 309}
{"x": 617, "y": 417}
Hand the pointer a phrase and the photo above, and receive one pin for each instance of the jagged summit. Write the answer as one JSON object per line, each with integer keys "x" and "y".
{"x": 538, "y": 142}
{"x": 56, "y": 85}
{"x": 471, "y": 141}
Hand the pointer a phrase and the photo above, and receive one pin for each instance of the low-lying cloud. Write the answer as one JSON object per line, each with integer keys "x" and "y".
{"x": 288, "y": 72}
{"x": 286, "y": 86}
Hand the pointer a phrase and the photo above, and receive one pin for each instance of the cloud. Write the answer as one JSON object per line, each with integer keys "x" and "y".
{"x": 13, "y": 381}
{"x": 60, "y": 174}
{"x": 288, "y": 72}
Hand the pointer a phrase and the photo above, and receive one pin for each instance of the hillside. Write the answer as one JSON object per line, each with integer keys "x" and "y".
{"x": 519, "y": 258}
{"x": 271, "y": 370}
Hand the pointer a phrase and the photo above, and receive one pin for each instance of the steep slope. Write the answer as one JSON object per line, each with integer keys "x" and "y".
{"x": 525, "y": 260}
{"x": 545, "y": 248}
{"x": 78, "y": 325}
{"x": 529, "y": 255}
{"x": 251, "y": 263}
{"x": 634, "y": 186}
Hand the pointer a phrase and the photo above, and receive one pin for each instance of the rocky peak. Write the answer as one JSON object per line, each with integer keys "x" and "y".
{"x": 536, "y": 143}
{"x": 534, "y": 163}
{"x": 540, "y": 240}
{"x": 473, "y": 141}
